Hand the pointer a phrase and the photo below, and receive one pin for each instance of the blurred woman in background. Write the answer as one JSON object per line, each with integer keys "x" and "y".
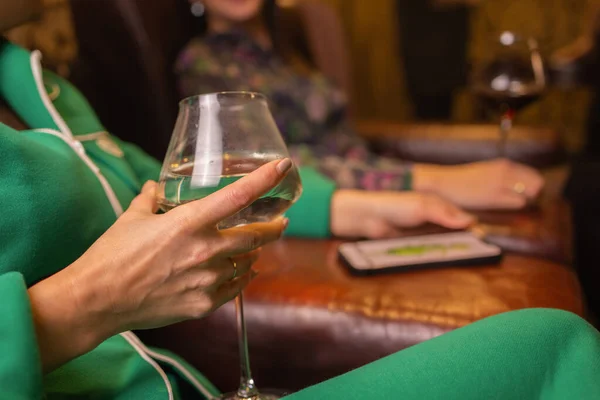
{"x": 243, "y": 48}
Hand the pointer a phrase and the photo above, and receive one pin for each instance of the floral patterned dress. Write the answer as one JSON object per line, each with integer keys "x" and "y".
{"x": 308, "y": 109}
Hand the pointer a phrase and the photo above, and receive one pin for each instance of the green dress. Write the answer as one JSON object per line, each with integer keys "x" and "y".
{"x": 65, "y": 181}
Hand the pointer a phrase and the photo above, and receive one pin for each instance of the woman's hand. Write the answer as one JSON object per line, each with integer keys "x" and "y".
{"x": 151, "y": 270}
{"x": 497, "y": 184}
{"x": 376, "y": 215}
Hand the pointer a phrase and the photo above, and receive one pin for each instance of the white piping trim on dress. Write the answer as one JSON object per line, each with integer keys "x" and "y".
{"x": 141, "y": 351}
{"x": 36, "y": 68}
{"x": 161, "y": 357}
{"x": 80, "y": 151}
{"x": 67, "y": 136}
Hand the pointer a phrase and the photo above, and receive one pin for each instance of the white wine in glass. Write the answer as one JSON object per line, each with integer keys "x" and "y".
{"x": 218, "y": 139}
{"x": 178, "y": 188}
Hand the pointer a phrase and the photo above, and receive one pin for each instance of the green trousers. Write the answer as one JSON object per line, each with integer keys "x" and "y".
{"x": 527, "y": 354}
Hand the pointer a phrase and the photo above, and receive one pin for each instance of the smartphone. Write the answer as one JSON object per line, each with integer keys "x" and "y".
{"x": 372, "y": 257}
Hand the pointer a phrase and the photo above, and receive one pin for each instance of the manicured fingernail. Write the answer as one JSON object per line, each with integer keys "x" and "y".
{"x": 284, "y": 165}
{"x": 285, "y": 223}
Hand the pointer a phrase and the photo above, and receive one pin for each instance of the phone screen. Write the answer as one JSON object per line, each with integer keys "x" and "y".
{"x": 414, "y": 251}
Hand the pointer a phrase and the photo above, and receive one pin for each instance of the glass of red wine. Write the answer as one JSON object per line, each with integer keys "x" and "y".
{"x": 510, "y": 80}
{"x": 218, "y": 139}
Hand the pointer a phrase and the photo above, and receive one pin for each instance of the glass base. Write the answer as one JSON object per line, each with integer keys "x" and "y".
{"x": 265, "y": 394}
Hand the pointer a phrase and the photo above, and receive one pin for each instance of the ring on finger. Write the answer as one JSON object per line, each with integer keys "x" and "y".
{"x": 235, "y": 268}
{"x": 519, "y": 188}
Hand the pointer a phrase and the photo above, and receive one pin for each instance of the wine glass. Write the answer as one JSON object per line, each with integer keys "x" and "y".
{"x": 510, "y": 80}
{"x": 218, "y": 139}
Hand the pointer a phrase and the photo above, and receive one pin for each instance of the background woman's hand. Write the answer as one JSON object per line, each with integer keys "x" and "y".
{"x": 151, "y": 270}
{"x": 496, "y": 184}
{"x": 356, "y": 213}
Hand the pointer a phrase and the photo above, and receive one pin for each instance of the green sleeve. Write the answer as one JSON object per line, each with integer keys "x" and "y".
{"x": 310, "y": 216}
{"x": 20, "y": 366}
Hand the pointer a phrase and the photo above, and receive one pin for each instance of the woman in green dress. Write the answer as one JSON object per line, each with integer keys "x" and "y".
{"x": 84, "y": 258}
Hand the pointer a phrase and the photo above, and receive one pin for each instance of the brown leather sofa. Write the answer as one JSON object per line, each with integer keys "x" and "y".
{"x": 308, "y": 319}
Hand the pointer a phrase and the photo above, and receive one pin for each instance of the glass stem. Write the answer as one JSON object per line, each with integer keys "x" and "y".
{"x": 247, "y": 389}
{"x": 506, "y": 123}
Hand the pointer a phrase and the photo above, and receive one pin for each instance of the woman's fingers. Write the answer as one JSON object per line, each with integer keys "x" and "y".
{"x": 525, "y": 181}
{"x": 231, "y": 289}
{"x": 379, "y": 229}
{"x": 243, "y": 239}
{"x": 145, "y": 202}
{"x": 235, "y": 197}
{"x": 442, "y": 213}
{"x": 210, "y": 276}
{"x": 523, "y": 184}
{"x": 512, "y": 200}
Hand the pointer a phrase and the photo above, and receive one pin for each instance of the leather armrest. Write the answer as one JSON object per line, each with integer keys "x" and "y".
{"x": 462, "y": 143}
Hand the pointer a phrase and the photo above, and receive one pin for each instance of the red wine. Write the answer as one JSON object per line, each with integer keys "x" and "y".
{"x": 502, "y": 102}
{"x": 508, "y": 84}
{"x": 179, "y": 187}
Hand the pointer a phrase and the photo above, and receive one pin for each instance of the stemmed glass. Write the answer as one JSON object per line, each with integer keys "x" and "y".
{"x": 218, "y": 139}
{"x": 510, "y": 80}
